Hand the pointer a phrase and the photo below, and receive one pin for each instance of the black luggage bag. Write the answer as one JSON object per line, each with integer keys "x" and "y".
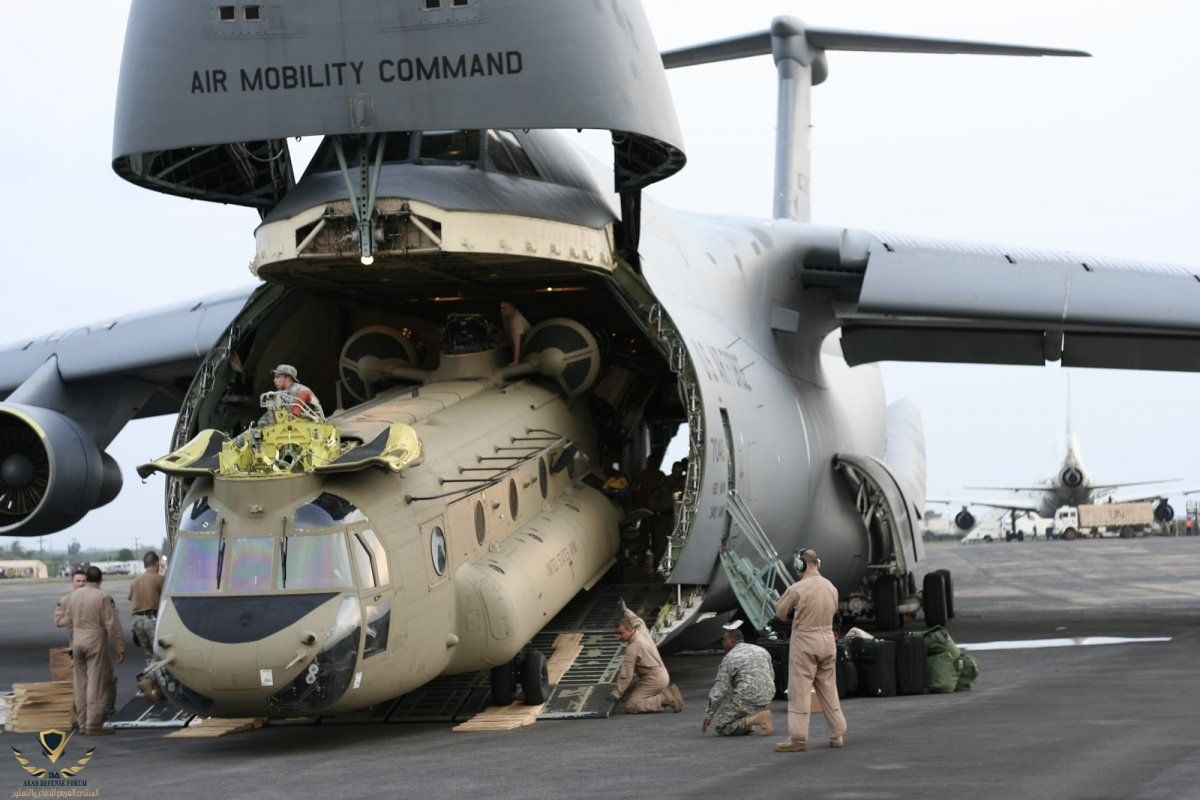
{"x": 847, "y": 673}
{"x": 910, "y": 661}
{"x": 875, "y": 660}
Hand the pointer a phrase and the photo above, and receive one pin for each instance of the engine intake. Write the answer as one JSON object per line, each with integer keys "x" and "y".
{"x": 1163, "y": 512}
{"x": 1072, "y": 478}
{"x": 965, "y": 520}
{"x": 51, "y": 471}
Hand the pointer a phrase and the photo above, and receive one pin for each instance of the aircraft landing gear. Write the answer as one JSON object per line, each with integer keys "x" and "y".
{"x": 529, "y": 671}
{"x": 934, "y": 600}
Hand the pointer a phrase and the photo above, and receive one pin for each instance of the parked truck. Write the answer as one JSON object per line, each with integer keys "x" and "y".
{"x": 1098, "y": 519}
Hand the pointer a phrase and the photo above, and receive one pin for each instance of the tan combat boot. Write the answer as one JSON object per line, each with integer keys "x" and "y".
{"x": 836, "y": 741}
{"x": 790, "y": 745}
{"x": 760, "y": 720}
{"x": 673, "y": 698}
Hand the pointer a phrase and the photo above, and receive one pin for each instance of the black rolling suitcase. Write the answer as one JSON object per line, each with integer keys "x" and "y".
{"x": 847, "y": 673}
{"x": 910, "y": 661}
{"x": 875, "y": 660}
{"x": 778, "y": 649}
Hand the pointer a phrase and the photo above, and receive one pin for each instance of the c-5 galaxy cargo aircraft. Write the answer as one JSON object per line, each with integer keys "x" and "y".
{"x": 453, "y": 502}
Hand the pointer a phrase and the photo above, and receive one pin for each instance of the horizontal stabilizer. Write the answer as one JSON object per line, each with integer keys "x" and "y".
{"x": 759, "y": 44}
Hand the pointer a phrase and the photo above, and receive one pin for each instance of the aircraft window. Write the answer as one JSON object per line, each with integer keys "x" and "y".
{"x": 543, "y": 477}
{"x": 250, "y": 564}
{"x": 460, "y": 3}
{"x": 194, "y": 565}
{"x": 199, "y": 518}
{"x": 524, "y": 165}
{"x": 480, "y": 522}
{"x": 251, "y": 12}
{"x": 396, "y": 150}
{"x": 450, "y": 145}
{"x": 513, "y": 505}
{"x": 380, "y": 555}
{"x": 362, "y": 561}
{"x": 430, "y": 5}
{"x": 326, "y": 511}
{"x": 499, "y": 155}
{"x": 314, "y": 562}
{"x": 437, "y": 550}
{"x": 226, "y": 13}
{"x": 379, "y": 618}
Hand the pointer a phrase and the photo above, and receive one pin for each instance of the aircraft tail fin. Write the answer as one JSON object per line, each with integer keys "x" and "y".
{"x": 800, "y": 62}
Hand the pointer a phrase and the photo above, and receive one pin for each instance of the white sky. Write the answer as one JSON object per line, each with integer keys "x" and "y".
{"x": 1096, "y": 155}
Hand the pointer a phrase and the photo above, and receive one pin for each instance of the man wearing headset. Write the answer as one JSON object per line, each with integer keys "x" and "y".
{"x": 810, "y": 603}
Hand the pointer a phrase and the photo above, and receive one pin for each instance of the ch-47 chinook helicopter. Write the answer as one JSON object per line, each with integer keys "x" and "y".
{"x": 449, "y": 506}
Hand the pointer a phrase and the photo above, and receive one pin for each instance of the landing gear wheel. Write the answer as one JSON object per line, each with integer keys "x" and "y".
{"x": 948, "y": 582}
{"x": 887, "y": 603}
{"x": 934, "y": 600}
{"x": 503, "y": 687}
{"x": 535, "y": 678}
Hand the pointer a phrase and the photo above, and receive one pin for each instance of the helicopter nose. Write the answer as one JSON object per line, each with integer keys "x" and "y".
{"x": 324, "y": 679}
{"x": 253, "y": 655}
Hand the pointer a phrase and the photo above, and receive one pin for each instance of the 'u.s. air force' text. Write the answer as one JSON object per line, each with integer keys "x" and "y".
{"x": 356, "y": 73}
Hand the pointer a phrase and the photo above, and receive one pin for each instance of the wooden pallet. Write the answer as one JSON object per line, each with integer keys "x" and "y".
{"x": 40, "y": 706}
{"x": 212, "y": 727}
{"x": 567, "y": 647}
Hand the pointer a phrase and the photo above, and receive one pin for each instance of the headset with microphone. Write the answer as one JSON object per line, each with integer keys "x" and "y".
{"x": 800, "y": 563}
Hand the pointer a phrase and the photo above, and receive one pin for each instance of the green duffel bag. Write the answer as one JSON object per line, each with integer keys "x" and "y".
{"x": 967, "y": 673}
{"x": 941, "y": 673}
{"x": 938, "y": 641}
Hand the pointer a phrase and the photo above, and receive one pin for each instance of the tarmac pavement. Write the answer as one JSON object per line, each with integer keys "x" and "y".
{"x": 1107, "y": 721}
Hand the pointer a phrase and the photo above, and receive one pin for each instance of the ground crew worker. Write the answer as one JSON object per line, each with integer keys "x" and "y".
{"x": 642, "y": 669}
{"x": 810, "y": 603}
{"x": 740, "y": 700}
{"x": 78, "y": 581}
{"x": 145, "y": 593}
{"x": 90, "y": 618}
{"x": 515, "y": 328}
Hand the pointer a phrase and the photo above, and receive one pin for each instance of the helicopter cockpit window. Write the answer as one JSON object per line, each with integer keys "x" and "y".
{"x": 362, "y": 562}
{"x": 450, "y": 146}
{"x": 319, "y": 561}
{"x": 200, "y": 517}
{"x": 250, "y": 564}
{"x": 195, "y": 565}
{"x": 371, "y": 543}
{"x": 326, "y": 511}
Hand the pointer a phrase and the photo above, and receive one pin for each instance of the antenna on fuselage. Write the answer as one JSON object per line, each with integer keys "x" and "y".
{"x": 800, "y": 62}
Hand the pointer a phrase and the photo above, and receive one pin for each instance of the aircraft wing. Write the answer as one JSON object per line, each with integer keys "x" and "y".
{"x": 1106, "y": 488}
{"x": 66, "y": 396}
{"x": 915, "y": 299}
{"x": 1042, "y": 488}
{"x": 1013, "y": 504}
{"x": 161, "y": 346}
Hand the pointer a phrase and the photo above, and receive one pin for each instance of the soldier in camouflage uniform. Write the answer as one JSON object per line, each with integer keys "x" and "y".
{"x": 740, "y": 699}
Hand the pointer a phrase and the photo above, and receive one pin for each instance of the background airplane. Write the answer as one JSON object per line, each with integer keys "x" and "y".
{"x": 958, "y": 162}
{"x": 1071, "y": 484}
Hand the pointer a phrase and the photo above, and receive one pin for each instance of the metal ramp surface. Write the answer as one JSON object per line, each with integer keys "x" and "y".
{"x": 138, "y": 713}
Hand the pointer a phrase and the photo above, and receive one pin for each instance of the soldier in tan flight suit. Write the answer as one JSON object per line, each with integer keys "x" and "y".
{"x": 78, "y": 581}
{"x": 145, "y": 593}
{"x": 90, "y": 617}
{"x": 811, "y": 603}
{"x": 643, "y": 668}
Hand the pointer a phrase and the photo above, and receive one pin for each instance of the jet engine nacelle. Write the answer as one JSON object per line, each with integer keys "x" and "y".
{"x": 1071, "y": 478}
{"x": 52, "y": 472}
{"x": 965, "y": 520}
{"x": 1163, "y": 512}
